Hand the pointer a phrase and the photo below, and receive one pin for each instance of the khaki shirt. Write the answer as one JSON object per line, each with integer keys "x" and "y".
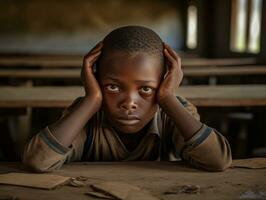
{"x": 98, "y": 141}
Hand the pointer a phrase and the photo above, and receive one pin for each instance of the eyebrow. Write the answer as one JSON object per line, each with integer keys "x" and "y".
{"x": 138, "y": 81}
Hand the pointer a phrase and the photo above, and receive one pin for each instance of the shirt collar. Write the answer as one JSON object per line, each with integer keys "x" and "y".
{"x": 153, "y": 128}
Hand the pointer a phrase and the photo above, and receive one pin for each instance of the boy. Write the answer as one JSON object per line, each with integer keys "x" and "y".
{"x": 130, "y": 111}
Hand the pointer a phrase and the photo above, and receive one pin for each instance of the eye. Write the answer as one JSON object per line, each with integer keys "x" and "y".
{"x": 146, "y": 90}
{"x": 112, "y": 88}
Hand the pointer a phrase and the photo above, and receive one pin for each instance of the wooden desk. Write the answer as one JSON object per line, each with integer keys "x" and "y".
{"x": 224, "y": 71}
{"x": 199, "y": 62}
{"x": 76, "y": 61}
{"x": 191, "y": 72}
{"x": 221, "y": 96}
{"x": 155, "y": 177}
{"x": 41, "y": 61}
{"x": 40, "y": 73}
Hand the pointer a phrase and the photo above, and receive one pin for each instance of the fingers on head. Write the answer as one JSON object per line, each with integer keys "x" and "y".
{"x": 172, "y": 56}
{"x": 90, "y": 57}
{"x": 97, "y": 47}
{"x": 169, "y": 56}
{"x": 171, "y": 51}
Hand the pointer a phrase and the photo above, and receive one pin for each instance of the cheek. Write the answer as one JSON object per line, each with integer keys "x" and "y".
{"x": 152, "y": 107}
{"x": 149, "y": 106}
{"x": 109, "y": 102}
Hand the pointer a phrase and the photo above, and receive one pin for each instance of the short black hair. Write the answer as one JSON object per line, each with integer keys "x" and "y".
{"x": 134, "y": 39}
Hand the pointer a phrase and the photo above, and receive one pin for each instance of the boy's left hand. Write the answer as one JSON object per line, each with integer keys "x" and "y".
{"x": 173, "y": 76}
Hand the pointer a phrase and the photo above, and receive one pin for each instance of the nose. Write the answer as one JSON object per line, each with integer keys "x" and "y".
{"x": 129, "y": 103}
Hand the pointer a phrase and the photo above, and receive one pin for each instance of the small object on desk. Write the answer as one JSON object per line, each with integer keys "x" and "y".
{"x": 100, "y": 195}
{"x": 124, "y": 191}
{"x": 82, "y": 178}
{"x": 251, "y": 163}
{"x": 76, "y": 183}
{"x": 250, "y": 194}
{"x": 41, "y": 181}
{"x": 188, "y": 189}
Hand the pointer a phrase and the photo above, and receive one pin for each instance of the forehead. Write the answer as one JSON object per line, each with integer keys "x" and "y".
{"x": 131, "y": 66}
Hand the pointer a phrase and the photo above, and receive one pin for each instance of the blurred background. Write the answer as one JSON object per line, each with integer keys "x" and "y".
{"x": 222, "y": 44}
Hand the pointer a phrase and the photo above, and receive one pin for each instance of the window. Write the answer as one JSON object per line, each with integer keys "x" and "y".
{"x": 239, "y": 25}
{"x": 245, "y": 25}
{"x": 192, "y": 26}
{"x": 254, "y": 27}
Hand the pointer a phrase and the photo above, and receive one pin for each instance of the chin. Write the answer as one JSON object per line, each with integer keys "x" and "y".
{"x": 128, "y": 129}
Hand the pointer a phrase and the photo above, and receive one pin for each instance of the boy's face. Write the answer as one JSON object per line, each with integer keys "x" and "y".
{"x": 129, "y": 83}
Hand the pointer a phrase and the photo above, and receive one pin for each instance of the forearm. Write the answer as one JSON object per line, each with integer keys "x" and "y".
{"x": 184, "y": 121}
{"x": 66, "y": 129}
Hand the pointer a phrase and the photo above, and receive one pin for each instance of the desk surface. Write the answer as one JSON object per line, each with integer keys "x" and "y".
{"x": 75, "y": 73}
{"x": 224, "y": 96}
{"x": 155, "y": 177}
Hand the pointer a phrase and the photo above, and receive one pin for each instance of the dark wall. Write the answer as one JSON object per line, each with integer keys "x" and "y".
{"x": 214, "y": 28}
{"x": 67, "y": 26}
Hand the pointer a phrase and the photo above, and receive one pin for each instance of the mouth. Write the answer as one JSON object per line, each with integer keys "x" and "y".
{"x": 128, "y": 121}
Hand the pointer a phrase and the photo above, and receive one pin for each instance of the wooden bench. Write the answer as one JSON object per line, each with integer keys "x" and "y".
{"x": 225, "y": 71}
{"x": 188, "y": 72}
{"x": 40, "y": 73}
{"x": 76, "y": 61}
{"x": 205, "y": 96}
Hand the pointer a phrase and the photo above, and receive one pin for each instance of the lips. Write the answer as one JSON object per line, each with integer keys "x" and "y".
{"x": 129, "y": 120}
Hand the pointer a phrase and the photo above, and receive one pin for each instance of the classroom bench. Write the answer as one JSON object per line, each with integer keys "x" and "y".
{"x": 206, "y": 96}
{"x": 188, "y": 72}
{"x": 76, "y": 61}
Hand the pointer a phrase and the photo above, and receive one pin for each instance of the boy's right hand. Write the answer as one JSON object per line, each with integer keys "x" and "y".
{"x": 91, "y": 86}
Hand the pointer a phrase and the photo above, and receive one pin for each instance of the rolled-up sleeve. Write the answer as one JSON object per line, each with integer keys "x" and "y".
{"x": 207, "y": 149}
{"x": 45, "y": 153}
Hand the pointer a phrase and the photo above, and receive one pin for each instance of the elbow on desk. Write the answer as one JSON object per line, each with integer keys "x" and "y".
{"x": 218, "y": 156}
{"x": 217, "y": 165}
{"x": 34, "y": 164}
{"x": 216, "y": 162}
{"x": 223, "y": 159}
{"x": 220, "y": 165}
{"x": 38, "y": 157}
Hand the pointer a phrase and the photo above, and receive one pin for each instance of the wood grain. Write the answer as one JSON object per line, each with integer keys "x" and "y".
{"x": 76, "y": 61}
{"x": 54, "y": 96}
{"x": 156, "y": 177}
{"x": 75, "y": 73}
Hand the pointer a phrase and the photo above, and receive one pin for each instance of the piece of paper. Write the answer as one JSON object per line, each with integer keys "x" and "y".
{"x": 123, "y": 191}
{"x": 251, "y": 163}
{"x": 42, "y": 181}
{"x": 100, "y": 195}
